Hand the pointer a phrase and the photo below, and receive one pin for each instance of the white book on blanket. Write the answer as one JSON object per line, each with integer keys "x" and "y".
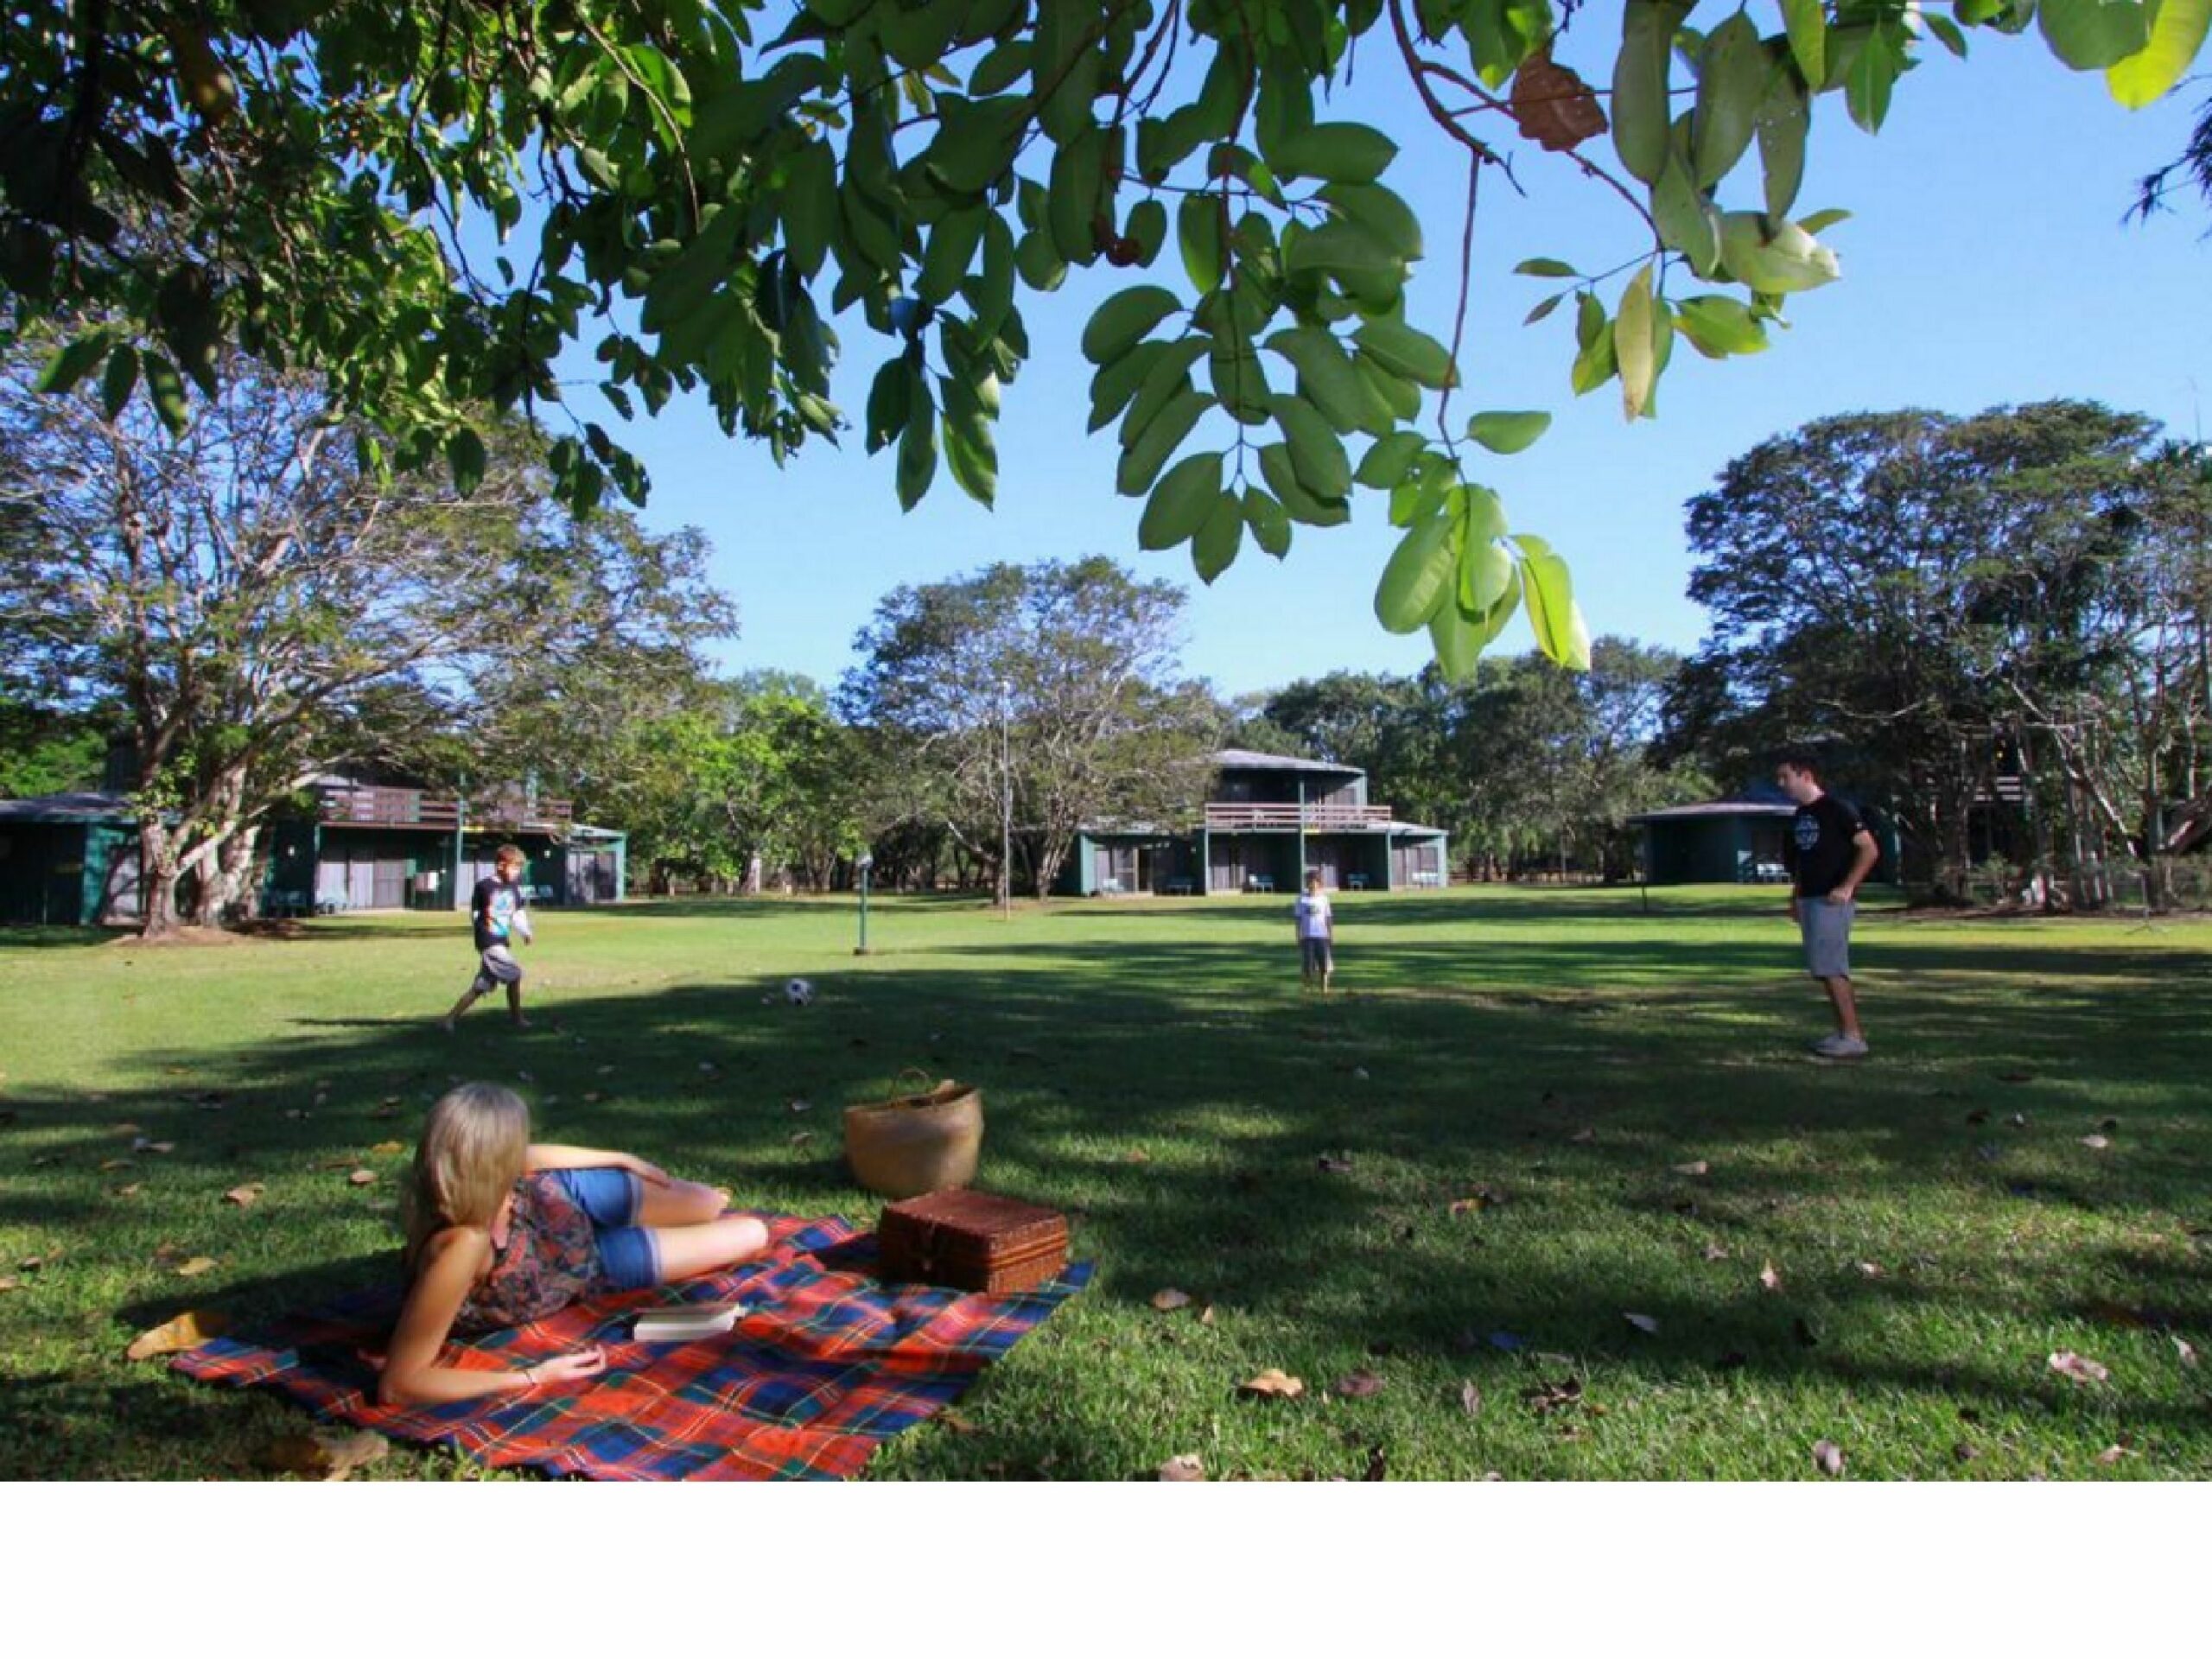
{"x": 687, "y": 1321}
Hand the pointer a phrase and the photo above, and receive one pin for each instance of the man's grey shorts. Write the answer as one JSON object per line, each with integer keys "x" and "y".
{"x": 1827, "y": 929}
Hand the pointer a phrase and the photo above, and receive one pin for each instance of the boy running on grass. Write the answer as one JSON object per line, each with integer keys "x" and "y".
{"x": 1317, "y": 935}
{"x": 498, "y": 912}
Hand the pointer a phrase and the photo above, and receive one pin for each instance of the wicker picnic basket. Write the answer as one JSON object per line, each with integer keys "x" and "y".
{"x": 972, "y": 1241}
{"x": 916, "y": 1142}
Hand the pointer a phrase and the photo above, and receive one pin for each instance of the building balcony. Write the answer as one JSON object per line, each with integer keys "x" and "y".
{"x": 392, "y": 808}
{"x": 1314, "y": 817}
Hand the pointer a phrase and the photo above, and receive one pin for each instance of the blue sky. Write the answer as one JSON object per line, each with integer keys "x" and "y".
{"x": 1986, "y": 263}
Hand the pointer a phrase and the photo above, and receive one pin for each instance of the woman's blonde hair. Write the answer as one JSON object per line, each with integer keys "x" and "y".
{"x": 469, "y": 1160}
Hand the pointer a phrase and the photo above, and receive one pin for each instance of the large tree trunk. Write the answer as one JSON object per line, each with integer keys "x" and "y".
{"x": 157, "y": 877}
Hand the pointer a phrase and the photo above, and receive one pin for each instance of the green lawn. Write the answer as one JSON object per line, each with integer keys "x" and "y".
{"x": 1936, "y": 1226}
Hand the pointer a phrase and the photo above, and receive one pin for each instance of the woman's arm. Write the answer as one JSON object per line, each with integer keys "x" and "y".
{"x": 537, "y": 1157}
{"x": 413, "y": 1375}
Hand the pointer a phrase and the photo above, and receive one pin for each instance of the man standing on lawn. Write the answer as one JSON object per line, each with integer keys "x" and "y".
{"x": 499, "y": 914}
{"x": 1828, "y": 855}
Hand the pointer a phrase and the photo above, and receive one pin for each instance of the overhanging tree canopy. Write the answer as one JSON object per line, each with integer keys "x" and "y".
{"x": 699, "y": 184}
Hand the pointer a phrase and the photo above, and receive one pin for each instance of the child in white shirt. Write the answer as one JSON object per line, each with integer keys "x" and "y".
{"x": 1317, "y": 934}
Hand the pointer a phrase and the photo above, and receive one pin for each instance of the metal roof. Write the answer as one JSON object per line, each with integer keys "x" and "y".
{"x": 1718, "y": 809}
{"x": 66, "y": 808}
{"x": 1252, "y": 761}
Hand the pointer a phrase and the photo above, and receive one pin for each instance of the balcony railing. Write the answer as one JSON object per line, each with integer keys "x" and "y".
{"x": 1288, "y": 815}
{"x": 417, "y": 809}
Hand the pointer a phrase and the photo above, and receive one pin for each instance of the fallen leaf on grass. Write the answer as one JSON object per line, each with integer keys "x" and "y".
{"x": 188, "y": 1330}
{"x": 1698, "y": 1167}
{"x": 362, "y": 1178}
{"x": 593, "y": 1097}
{"x": 1965, "y": 1452}
{"x": 1272, "y": 1384}
{"x": 1470, "y": 1399}
{"x": 2183, "y": 1352}
{"x": 386, "y": 1148}
{"x": 130, "y": 1191}
{"x": 195, "y": 1267}
{"x": 1642, "y": 1322}
{"x": 1184, "y": 1467}
{"x": 954, "y": 1422}
{"x": 2068, "y": 1363}
{"x": 1360, "y": 1071}
{"x": 142, "y": 1144}
{"x": 33, "y": 1263}
{"x": 1770, "y": 1277}
{"x": 327, "y": 1454}
{"x": 2123, "y": 1448}
{"x": 1870, "y": 1269}
{"x": 2095, "y": 1142}
{"x": 1827, "y": 1456}
{"x": 1169, "y": 1299}
{"x": 1356, "y": 1385}
{"x": 7, "y": 1284}
{"x": 1206, "y": 1317}
{"x": 2019, "y": 1120}
{"x": 799, "y": 1137}
{"x": 1716, "y": 1252}
{"x": 244, "y": 1195}
{"x": 1583, "y": 1137}
{"x": 799, "y": 1103}
{"x": 1548, "y": 1398}
{"x": 108, "y": 1165}
{"x": 1331, "y": 1164}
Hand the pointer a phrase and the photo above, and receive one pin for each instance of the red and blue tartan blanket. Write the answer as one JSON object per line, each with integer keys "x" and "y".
{"x": 827, "y": 1364}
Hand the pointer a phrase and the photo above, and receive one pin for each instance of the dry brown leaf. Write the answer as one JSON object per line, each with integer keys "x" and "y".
{"x": 1696, "y": 1167}
{"x": 1471, "y": 1398}
{"x": 1583, "y": 1137}
{"x": 188, "y": 1330}
{"x": 195, "y": 1267}
{"x": 243, "y": 1196}
{"x": 2095, "y": 1142}
{"x": 2082, "y": 1369}
{"x": 1169, "y": 1299}
{"x": 7, "y": 1284}
{"x": 953, "y": 1420}
{"x": 1715, "y": 1252}
{"x": 2113, "y": 1454}
{"x": 1827, "y": 1456}
{"x": 386, "y": 1148}
{"x": 362, "y": 1178}
{"x": 1642, "y": 1322}
{"x": 1356, "y": 1385}
{"x": 1331, "y": 1164}
{"x": 1206, "y": 1317}
{"x": 799, "y": 1137}
{"x": 33, "y": 1263}
{"x": 108, "y": 1164}
{"x": 2184, "y": 1351}
{"x": 130, "y": 1191}
{"x": 1272, "y": 1384}
{"x": 329, "y": 1454}
{"x": 1136, "y": 1156}
{"x": 1187, "y": 1466}
{"x": 1770, "y": 1277}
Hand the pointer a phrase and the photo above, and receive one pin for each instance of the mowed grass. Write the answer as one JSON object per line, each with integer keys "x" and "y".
{"x": 1621, "y": 1091}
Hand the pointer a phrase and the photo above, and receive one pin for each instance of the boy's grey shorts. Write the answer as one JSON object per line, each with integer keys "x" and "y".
{"x": 1826, "y": 930}
{"x": 1316, "y": 957}
{"x": 497, "y": 967}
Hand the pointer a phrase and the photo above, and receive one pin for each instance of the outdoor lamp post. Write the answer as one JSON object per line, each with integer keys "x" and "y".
{"x": 863, "y": 864}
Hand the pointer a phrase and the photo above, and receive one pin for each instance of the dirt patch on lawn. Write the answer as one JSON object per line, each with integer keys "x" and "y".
{"x": 255, "y": 933}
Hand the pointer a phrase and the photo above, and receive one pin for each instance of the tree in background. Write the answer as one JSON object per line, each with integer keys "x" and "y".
{"x": 695, "y": 201}
{"x": 1059, "y": 680}
{"x": 1947, "y": 600}
{"x": 264, "y": 609}
{"x": 47, "y": 751}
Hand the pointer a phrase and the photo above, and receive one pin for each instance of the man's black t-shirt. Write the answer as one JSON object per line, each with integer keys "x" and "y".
{"x": 1818, "y": 852}
{"x": 492, "y": 907}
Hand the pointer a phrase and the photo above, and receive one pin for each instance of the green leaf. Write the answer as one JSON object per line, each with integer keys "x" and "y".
{"x": 1270, "y": 524}
{"x": 1168, "y": 376}
{"x": 1124, "y": 319}
{"x": 1549, "y": 591}
{"x": 1316, "y": 454}
{"x": 166, "y": 387}
{"x": 1806, "y": 22}
{"x": 1785, "y": 120}
{"x": 1418, "y": 578}
{"x": 1201, "y": 231}
{"x": 1240, "y": 383}
{"x": 465, "y": 456}
{"x": 1641, "y": 115}
{"x": 1720, "y": 325}
{"x": 889, "y": 397}
{"x": 1508, "y": 431}
{"x": 2176, "y": 36}
{"x": 970, "y": 451}
{"x": 1871, "y": 77}
{"x": 1389, "y": 459}
{"x": 917, "y": 450}
{"x": 1484, "y": 576}
{"x": 1545, "y": 267}
{"x": 1541, "y": 309}
{"x": 1399, "y": 396}
{"x": 807, "y": 203}
{"x": 1381, "y": 213}
{"x": 952, "y": 245}
{"x": 1731, "y": 86}
{"x": 1147, "y": 228}
{"x": 1421, "y": 491}
{"x": 1298, "y": 501}
{"x": 1343, "y": 152}
{"x": 1213, "y": 550}
{"x": 1954, "y": 38}
{"x": 2093, "y": 34}
{"x": 1071, "y": 207}
{"x": 1181, "y": 502}
{"x": 1787, "y": 261}
{"x": 1341, "y": 249}
{"x": 119, "y": 382}
{"x": 1685, "y": 216}
{"x": 1595, "y": 364}
{"x": 1161, "y": 436}
{"x": 73, "y": 362}
{"x": 1326, "y": 375}
{"x": 1406, "y": 352}
{"x": 1632, "y": 343}
{"x": 1814, "y": 224}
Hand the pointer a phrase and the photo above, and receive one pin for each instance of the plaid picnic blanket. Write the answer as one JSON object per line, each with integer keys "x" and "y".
{"x": 828, "y": 1364}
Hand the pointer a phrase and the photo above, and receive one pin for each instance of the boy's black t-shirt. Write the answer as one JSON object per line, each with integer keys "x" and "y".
{"x": 1819, "y": 852}
{"x": 492, "y": 908}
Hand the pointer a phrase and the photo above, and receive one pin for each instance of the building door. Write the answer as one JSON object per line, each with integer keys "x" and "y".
{"x": 1226, "y": 873}
{"x": 391, "y": 884}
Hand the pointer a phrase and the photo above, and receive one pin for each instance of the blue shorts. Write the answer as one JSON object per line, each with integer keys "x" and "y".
{"x": 628, "y": 1258}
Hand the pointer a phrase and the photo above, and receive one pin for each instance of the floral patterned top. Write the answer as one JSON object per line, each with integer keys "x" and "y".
{"x": 550, "y": 1260}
